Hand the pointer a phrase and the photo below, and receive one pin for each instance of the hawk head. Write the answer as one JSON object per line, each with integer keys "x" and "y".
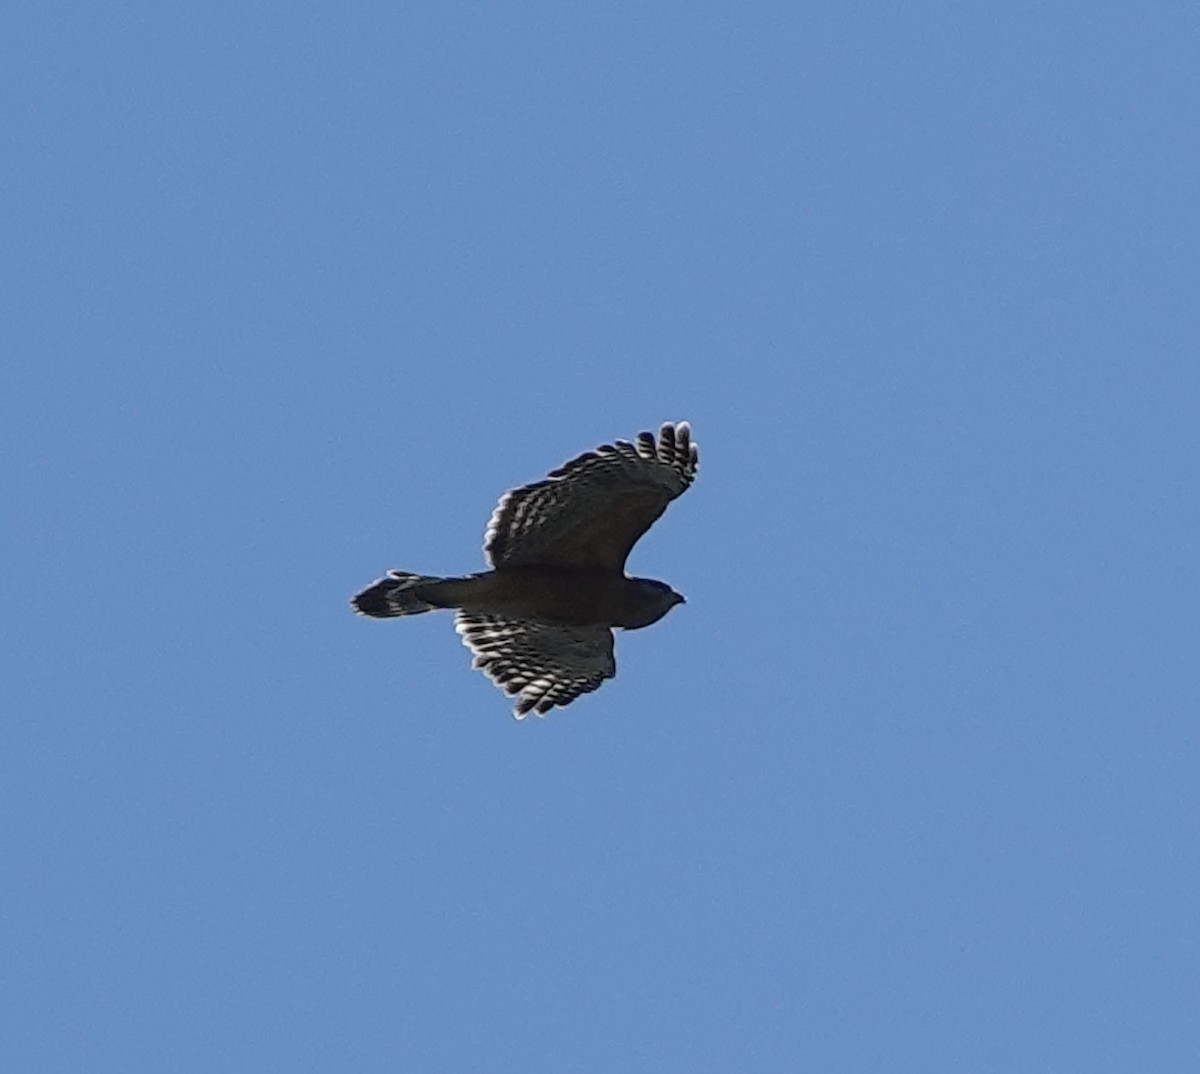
{"x": 653, "y": 600}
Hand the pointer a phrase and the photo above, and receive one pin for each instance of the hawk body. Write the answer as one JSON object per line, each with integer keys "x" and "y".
{"x": 540, "y": 623}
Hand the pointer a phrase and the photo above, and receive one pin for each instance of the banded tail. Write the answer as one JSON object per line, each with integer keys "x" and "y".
{"x": 396, "y": 593}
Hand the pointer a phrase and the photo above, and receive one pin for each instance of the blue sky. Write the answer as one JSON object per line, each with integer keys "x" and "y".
{"x": 294, "y": 292}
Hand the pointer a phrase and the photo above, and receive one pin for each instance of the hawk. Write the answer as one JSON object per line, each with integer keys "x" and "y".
{"x": 540, "y": 622}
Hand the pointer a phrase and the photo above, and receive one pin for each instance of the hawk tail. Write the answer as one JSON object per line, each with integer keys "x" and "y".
{"x": 396, "y": 593}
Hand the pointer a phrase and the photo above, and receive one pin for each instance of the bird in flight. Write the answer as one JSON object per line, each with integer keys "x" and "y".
{"x": 540, "y": 622}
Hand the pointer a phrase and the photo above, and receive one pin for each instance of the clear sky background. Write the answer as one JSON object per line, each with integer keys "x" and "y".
{"x": 292, "y": 293}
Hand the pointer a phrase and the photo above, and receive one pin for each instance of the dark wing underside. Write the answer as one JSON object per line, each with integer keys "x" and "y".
{"x": 590, "y": 512}
{"x": 546, "y": 665}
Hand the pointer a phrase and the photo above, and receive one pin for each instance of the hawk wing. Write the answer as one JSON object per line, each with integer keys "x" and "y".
{"x": 546, "y": 665}
{"x": 590, "y": 512}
